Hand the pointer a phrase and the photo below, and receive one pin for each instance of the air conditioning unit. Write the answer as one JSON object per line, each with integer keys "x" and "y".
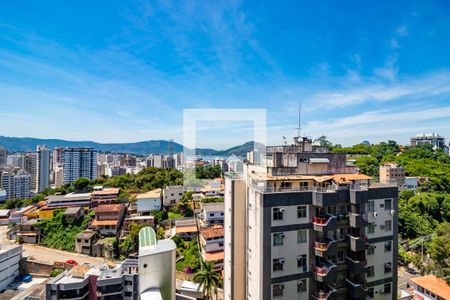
{"x": 282, "y": 209}
{"x": 392, "y": 212}
{"x": 375, "y": 214}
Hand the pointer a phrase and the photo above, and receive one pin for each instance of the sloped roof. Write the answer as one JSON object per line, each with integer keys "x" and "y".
{"x": 106, "y": 208}
{"x": 434, "y": 284}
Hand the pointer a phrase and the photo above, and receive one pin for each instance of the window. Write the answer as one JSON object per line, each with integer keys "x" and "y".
{"x": 277, "y": 290}
{"x": 303, "y": 185}
{"x": 211, "y": 215}
{"x": 371, "y": 250}
{"x": 386, "y": 289}
{"x": 340, "y": 256}
{"x": 302, "y": 211}
{"x": 371, "y": 206}
{"x": 387, "y": 225}
{"x": 278, "y": 239}
{"x": 286, "y": 185}
{"x": 79, "y": 240}
{"x": 370, "y": 271}
{"x": 370, "y": 293}
{"x": 388, "y": 204}
{"x": 388, "y": 246}
{"x": 388, "y": 267}
{"x": 278, "y": 264}
{"x": 301, "y": 236}
{"x": 278, "y": 213}
{"x": 302, "y": 262}
{"x": 301, "y": 285}
{"x": 371, "y": 228}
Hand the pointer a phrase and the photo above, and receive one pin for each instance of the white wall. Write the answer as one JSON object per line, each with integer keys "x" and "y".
{"x": 148, "y": 204}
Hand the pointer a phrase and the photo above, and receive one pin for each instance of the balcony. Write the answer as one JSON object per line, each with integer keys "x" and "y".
{"x": 328, "y": 293}
{"x": 357, "y": 267}
{"x": 326, "y": 272}
{"x": 324, "y": 198}
{"x": 324, "y": 224}
{"x": 323, "y": 249}
{"x": 356, "y": 290}
{"x": 360, "y": 196}
{"x": 356, "y": 220}
{"x": 356, "y": 243}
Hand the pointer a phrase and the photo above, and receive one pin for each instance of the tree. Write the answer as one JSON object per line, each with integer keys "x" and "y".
{"x": 439, "y": 249}
{"x": 208, "y": 278}
{"x": 81, "y": 184}
{"x": 322, "y": 141}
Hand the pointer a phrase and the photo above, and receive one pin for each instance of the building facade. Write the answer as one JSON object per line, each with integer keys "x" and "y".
{"x": 428, "y": 138}
{"x": 392, "y": 173}
{"x": 42, "y": 169}
{"x": 312, "y": 228}
{"x": 10, "y": 256}
{"x": 79, "y": 163}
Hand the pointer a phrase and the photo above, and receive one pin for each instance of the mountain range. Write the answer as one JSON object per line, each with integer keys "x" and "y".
{"x": 24, "y": 144}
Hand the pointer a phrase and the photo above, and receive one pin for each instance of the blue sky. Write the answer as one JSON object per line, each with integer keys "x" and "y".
{"x": 125, "y": 70}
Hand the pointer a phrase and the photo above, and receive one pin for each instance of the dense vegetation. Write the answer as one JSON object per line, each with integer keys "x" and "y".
{"x": 59, "y": 233}
{"x": 208, "y": 172}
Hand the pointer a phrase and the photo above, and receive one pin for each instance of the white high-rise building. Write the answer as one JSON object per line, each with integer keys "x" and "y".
{"x": 79, "y": 163}
{"x": 22, "y": 185}
{"x": 30, "y": 165}
{"x": 7, "y": 184}
{"x": 43, "y": 169}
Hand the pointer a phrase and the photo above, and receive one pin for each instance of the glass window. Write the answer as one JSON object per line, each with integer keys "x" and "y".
{"x": 387, "y": 288}
{"x": 302, "y": 211}
{"x": 388, "y": 267}
{"x": 370, "y": 271}
{"x": 278, "y": 264}
{"x": 301, "y": 285}
{"x": 301, "y": 236}
{"x": 278, "y": 213}
{"x": 371, "y": 250}
{"x": 340, "y": 256}
{"x": 388, "y": 204}
{"x": 388, "y": 246}
{"x": 371, "y": 206}
{"x": 388, "y": 225}
{"x": 278, "y": 239}
{"x": 371, "y": 228}
{"x": 277, "y": 290}
{"x": 370, "y": 293}
{"x": 302, "y": 262}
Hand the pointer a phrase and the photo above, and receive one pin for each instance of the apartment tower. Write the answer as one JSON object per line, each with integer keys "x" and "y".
{"x": 78, "y": 163}
{"x": 42, "y": 169}
{"x": 301, "y": 224}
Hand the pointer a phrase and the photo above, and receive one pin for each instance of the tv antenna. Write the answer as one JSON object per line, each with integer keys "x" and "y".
{"x": 299, "y": 127}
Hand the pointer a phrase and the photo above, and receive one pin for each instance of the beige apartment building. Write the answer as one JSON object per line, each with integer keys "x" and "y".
{"x": 304, "y": 225}
{"x": 392, "y": 173}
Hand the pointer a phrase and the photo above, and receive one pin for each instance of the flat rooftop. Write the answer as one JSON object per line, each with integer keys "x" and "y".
{"x": 151, "y": 194}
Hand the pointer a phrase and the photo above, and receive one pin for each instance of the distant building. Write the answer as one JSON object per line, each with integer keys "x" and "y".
{"x": 115, "y": 171}
{"x": 212, "y": 241}
{"x": 42, "y": 169}
{"x": 10, "y": 256}
{"x": 172, "y": 194}
{"x": 185, "y": 228}
{"x": 7, "y": 184}
{"x": 430, "y": 287}
{"x": 3, "y": 196}
{"x": 30, "y": 165}
{"x": 22, "y": 185}
{"x": 3, "y": 156}
{"x": 428, "y": 138}
{"x": 148, "y": 202}
{"x": 411, "y": 183}
{"x": 79, "y": 163}
{"x": 392, "y": 174}
{"x": 84, "y": 241}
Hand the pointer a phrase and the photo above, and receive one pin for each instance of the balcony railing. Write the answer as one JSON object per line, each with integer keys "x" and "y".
{"x": 325, "y": 248}
{"x": 355, "y": 266}
{"x": 325, "y": 272}
{"x": 356, "y": 290}
{"x": 357, "y": 243}
{"x": 324, "y": 223}
{"x": 270, "y": 189}
{"x": 324, "y": 294}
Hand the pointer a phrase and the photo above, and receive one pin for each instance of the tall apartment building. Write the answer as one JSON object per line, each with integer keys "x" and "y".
{"x": 428, "y": 138}
{"x": 22, "y": 185}
{"x": 10, "y": 256}
{"x": 42, "y": 169}
{"x": 7, "y": 184}
{"x": 301, "y": 224}
{"x": 78, "y": 163}
{"x": 3, "y": 156}
{"x": 29, "y": 164}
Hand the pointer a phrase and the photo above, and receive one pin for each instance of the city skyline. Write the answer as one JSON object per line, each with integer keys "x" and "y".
{"x": 127, "y": 76}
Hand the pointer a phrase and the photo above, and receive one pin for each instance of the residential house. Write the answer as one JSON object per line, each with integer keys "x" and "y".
{"x": 73, "y": 213}
{"x": 172, "y": 194}
{"x": 430, "y": 287}
{"x": 4, "y": 216}
{"x": 28, "y": 232}
{"x": 211, "y": 241}
{"x": 108, "y": 219}
{"x": 212, "y": 213}
{"x": 148, "y": 202}
{"x": 104, "y": 196}
{"x": 185, "y": 228}
{"x": 84, "y": 241}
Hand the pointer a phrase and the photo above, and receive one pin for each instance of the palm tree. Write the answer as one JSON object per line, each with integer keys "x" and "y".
{"x": 208, "y": 278}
